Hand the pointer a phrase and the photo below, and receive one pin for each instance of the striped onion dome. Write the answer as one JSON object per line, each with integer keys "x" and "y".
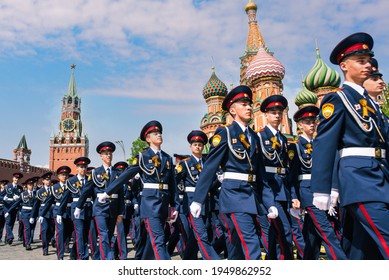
{"x": 214, "y": 87}
{"x": 264, "y": 65}
{"x": 305, "y": 97}
{"x": 321, "y": 75}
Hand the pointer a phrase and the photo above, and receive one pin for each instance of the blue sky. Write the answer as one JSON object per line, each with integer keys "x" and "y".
{"x": 143, "y": 60}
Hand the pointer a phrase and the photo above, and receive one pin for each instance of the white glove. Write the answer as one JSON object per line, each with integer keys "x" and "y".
{"x": 332, "y": 212}
{"x": 15, "y": 197}
{"x": 174, "y": 216}
{"x": 6, "y": 215}
{"x": 273, "y": 212}
{"x": 334, "y": 197}
{"x": 32, "y": 220}
{"x": 195, "y": 209}
{"x": 77, "y": 212}
{"x": 321, "y": 200}
{"x": 220, "y": 177}
{"x": 137, "y": 176}
{"x": 295, "y": 213}
{"x": 59, "y": 219}
{"x": 40, "y": 219}
{"x": 136, "y": 206}
{"x": 103, "y": 197}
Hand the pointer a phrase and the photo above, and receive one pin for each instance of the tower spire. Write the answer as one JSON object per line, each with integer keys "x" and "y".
{"x": 254, "y": 39}
{"x": 72, "y": 91}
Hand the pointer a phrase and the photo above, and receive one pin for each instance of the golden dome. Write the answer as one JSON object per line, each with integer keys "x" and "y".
{"x": 250, "y": 6}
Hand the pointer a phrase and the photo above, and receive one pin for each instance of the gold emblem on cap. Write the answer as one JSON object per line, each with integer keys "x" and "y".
{"x": 365, "y": 47}
{"x": 373, "y": 68}
{"x": 216, "y": 140}
{"x": 327, "y": 110}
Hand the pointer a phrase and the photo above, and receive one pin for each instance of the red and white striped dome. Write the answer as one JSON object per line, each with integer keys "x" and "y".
{"x": 264, "y": 65}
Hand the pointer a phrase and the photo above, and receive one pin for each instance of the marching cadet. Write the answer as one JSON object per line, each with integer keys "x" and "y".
{"x": 44, "y": 211}
{"x": 2, "y": 218}
{"x": 274, "y": 149}
{"x": 374, "y": 84}
{"x": 12, "y": 192}
{"x": 188, "y": 170}
{"x": 349, "y": 124}
{"x": 317, "y": 227}
{"x": 26, "y": 200}
{"x": 81, "y": 219}
{"x": 236, "y": 150}
{"x": 93, "y": 241}
{"x": 109, "y": 212}
{"x": 123, "y": 226}
{"x": 156, "y": 171}
{"x": 63, "y": 223}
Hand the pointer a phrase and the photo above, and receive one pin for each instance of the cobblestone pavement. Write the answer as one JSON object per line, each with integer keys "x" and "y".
{"x": 16, "y": 251}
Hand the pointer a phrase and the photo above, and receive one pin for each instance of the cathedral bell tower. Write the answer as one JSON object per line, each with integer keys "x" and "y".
{"x": 69, "y": 143}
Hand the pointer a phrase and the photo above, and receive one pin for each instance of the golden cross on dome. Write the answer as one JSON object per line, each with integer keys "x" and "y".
{"x": 73, "y": 66}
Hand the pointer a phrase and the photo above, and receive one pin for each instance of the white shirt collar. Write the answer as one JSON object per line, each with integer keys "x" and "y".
{"x": 306, "y": 138}
{"x": 274, "y": 131}
{"x": 241, "y": 126}
{"x": 356, "y": 87}
{"x": 79, "y": 177}
{"x": 155, "y": 151}
{"x": 196, "y": 157}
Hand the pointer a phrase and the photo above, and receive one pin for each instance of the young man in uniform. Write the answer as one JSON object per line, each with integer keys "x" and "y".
{"x": 235, "y": 149}
{"x": 350, "y": 125}
{"x": 156, "y": 170}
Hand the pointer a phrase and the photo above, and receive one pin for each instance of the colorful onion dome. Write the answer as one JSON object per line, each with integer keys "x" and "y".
{"x": 264, "y": 65}
{"x": 305, "y": 97}
{"x": 321, "y": 75}
{"x": 214, "y": 87}
{"x": 250, "y": 6}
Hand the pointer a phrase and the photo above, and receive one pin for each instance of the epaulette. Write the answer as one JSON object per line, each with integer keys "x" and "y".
{"x": 335, "y": 90}
{"x": 185, "y": 159}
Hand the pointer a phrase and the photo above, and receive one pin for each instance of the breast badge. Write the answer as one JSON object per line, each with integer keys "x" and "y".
{"x": 216, "y": 140}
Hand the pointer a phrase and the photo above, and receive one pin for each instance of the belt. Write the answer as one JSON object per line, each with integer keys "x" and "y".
{"x": 190, "y": 189}
{"x": 155, "y": 186}
{"x": 365, "y": 152}
{"x": 27, "y": 207}
{"x": 240, "y": 176}
{"x": 75, "y": 199}
{"x": 9, "y": 199}
{"x": 59, "y": 203}
{"x": 115, "y": 195}
{"x": 276, "y": 170}
{"x": 304, "y": 177}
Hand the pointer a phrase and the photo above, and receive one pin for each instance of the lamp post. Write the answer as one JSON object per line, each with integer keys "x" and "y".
{"x": 121, "y": 144}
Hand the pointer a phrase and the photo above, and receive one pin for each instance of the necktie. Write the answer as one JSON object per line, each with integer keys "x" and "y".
{"x": 246, "y": 133}
{"x": 109, "y": 172}
{"x": 278, "y": 137}
{"x": 201, "y": 163}
{"x": 82, "y": 182}
{"x": 159, "y": 156}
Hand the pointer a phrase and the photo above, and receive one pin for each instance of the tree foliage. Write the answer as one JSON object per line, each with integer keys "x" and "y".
{"x": 137, "y": 146}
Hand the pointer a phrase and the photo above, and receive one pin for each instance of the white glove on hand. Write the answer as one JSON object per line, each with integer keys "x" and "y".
{"x": 273, "y": 212}
{"x": 40, "y": 219}
{"x": 6, "y": 215}
{"x": 295, "y": 213}
{"x": 334, "y": 197}
{"x": 59, "y": 219}
{"x": 136, "y": 206}
{"x": 103, "y": 197}
{"x": 195, "y": 209}
{"x": 15, "y": 197}
{"x": 174, "y": 216}
{"x": 137, "y": 176}
{"x": 77, "y": 212}
{"x": 220, "y": 177}
{"x": 32, "y": 220}
{"x": 332, "y": 212}
{"x": 321, "y": 201}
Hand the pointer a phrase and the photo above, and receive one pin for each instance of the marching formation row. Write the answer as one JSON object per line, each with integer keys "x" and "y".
{"x": 252, "y": 193}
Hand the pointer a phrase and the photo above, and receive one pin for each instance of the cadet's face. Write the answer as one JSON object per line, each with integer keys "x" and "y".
{"x": 274, "y": 118}
{"x": 62, "y": 177}
{"x": 30, "y": 187}
{"x": 46, "y": 182}
{"x": 308, "y": 126}
{"x": 154, "y": 138}
{"x": 242, "y": 111}
{"x": 106, "y": 157}
{"x": 81, "y": 170}
{"x": 15, "y": 180}
{"x": 197, "y": 148}
{"x": 374, "y": 85}
{"x": 356, "y": 68}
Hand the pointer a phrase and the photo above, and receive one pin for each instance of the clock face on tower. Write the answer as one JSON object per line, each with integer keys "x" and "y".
{"x": 68, "y": 124}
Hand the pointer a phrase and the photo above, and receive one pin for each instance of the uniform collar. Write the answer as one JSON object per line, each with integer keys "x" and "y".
{"x": 196, "y": 158}
{"x": 356, "y": 87}
{"x": 156, "y": 151}
{"x": 241, "y": 126}
{"x": 274, "y": 131}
